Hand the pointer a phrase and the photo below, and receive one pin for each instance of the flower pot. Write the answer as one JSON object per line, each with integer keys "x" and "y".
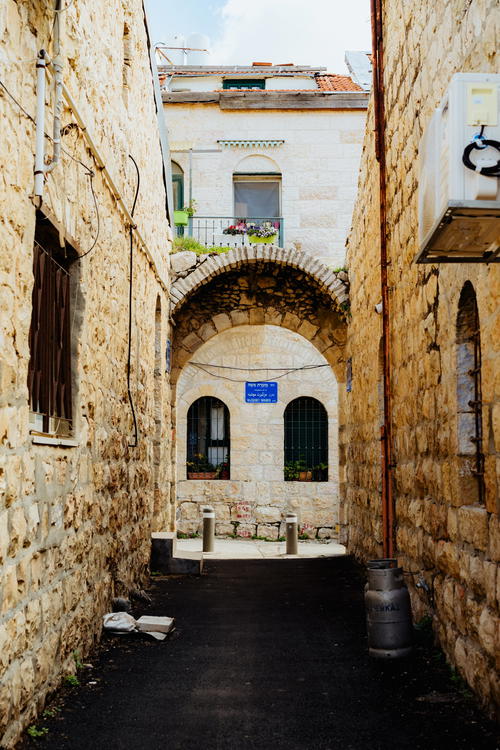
{"x": 305, "y": 476}
{"x": 254, "y": 239}
{"x": 181, "y": 218}
{"x": 202, "y": 474}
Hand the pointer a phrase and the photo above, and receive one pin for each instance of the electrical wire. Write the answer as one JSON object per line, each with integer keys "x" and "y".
{"x": 257, "y": 369}
{"x": 32, "y": 119}
{"x": 129, "y": 356}
{"x": 90, "y": 173}
{"x": 203, "y": 367}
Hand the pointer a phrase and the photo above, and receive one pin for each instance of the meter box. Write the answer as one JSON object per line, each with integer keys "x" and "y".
{"x": 459, "y": 174}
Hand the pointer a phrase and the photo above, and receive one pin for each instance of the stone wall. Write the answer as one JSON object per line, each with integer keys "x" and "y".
{"x": 447, "y": 541}
{"x": 76, "y": 518}
{"x": 255, "y": 500}
{"x": 318, "y": 163}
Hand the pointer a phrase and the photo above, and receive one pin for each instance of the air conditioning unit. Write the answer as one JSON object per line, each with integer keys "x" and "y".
{"x": 458, "y": 206}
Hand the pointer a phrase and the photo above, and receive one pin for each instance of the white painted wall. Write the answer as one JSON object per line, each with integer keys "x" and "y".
{"x": 257, "y": 496}
{"x": 319, "y": 164}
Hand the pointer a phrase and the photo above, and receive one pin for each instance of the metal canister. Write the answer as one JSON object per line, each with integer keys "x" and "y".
{"x": 388, "y": 610}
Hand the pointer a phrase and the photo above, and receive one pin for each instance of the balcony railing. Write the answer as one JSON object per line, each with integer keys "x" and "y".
{"x": 209, "y": 230}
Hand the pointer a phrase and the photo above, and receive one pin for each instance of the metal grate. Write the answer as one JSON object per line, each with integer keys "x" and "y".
{"x": 306, "y": 440}
{"x": 208, "y": 440}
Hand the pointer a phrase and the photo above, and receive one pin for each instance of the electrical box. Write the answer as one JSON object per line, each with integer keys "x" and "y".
{"x": 458, "y": 207}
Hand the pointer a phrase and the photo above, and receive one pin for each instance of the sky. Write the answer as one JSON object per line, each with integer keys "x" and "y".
{"x": 313, "y": 33}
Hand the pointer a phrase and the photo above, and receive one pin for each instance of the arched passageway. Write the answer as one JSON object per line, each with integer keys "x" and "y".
{"x": 258, "y": 315}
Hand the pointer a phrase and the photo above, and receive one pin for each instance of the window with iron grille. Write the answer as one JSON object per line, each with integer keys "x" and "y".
{"x": 49, "y": 371}
{"x": 306, "y": 441}
{"x": 469, "y": 399}
{"x": 208, "y": 444}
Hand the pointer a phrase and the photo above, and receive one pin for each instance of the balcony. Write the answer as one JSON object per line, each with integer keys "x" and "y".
{"x": 230, "y": 231}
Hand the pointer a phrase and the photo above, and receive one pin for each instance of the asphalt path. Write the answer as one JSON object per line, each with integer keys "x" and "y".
{"x": 267, "y": 654}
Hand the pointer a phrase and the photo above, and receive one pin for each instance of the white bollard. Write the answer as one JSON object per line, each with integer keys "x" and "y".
{"x": 208, "y": 529}
{"x": 291, "y": 534}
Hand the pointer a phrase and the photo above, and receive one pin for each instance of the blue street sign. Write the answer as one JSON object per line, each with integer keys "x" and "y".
{"x": 261, "y": 393}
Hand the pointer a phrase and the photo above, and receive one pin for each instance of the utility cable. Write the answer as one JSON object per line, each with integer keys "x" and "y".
{"x": 129, "y": 357}
{"x": 90, "y": 173}
{"x": 265, "y": 380}
{"x": 257, "y": 369}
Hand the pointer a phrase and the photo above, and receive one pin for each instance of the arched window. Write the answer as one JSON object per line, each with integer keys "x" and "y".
{"x": 208, "y": 439}
{"x": 469, "y": 406}
{"x": 306, "y": 441}
{"x": 178, "y": 186}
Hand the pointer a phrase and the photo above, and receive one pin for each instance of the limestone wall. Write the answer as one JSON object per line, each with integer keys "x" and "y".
{"x": 256, "y": 498}
{"x": 447, "y": 541}
{"x": 318, "y": 163}
{"x": 75, "y": 518}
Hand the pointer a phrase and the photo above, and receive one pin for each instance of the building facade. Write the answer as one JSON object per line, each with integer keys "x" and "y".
{"x": 276, "y": 146}
{"x": 444, "y": 373}
{"x": 81, "y": 484}
{"x": 266, "y": 143}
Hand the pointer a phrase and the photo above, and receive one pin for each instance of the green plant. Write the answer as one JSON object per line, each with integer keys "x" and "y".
{"x": 155, "y": 573}
{"x": 339, "y": 269}
{"x": 72, "y": 680}
{"x": 303, "y": 536}
{"x": 78, "y": 663}
{"x": 188, "y": 244}
{"x": 282, "y": 539}
{"x": 191, "y": 208}
{"x": 292, "y": 469}
{"x": 320, "y": 472}
{"x": 200, "y": 463}
{"x": 37, "y": 732}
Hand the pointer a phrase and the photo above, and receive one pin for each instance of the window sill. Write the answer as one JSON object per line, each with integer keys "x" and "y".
{"x": 61, "y": 442}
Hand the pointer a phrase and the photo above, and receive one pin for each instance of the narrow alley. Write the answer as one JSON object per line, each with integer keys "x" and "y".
{"x": 266, "y": 654}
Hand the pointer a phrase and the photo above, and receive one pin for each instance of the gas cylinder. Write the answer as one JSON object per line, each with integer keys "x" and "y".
{"x": 388, "y": 610}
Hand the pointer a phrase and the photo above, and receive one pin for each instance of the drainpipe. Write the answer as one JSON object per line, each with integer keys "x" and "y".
{"x": 388, "y": 511}
{"x": 57, "y": 66}
{"x": 41, "y": 65}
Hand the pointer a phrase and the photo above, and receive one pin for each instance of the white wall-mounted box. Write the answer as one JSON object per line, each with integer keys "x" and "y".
{"x": 459, "y": 208}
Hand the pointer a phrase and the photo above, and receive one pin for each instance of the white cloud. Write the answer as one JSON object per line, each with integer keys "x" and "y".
{"x": 281, "y": 31}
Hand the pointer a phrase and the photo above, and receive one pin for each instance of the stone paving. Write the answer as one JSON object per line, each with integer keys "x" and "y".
{"x": 256, "y": 549}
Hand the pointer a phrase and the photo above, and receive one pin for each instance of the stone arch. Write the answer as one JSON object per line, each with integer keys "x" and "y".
{"x": 262, "y": 284}
{"x": 256, "y": 164}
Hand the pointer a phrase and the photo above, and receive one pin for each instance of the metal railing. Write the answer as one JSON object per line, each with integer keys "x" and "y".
{"x": 210, "y": 230}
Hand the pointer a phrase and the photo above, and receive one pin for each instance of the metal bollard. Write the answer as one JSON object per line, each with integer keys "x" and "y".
{"x": 291, "y": 534}
{"x": 208, "y": 529}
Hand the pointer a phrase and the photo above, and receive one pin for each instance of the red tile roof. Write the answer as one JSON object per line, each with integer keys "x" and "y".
{"x": 333, "y": 82}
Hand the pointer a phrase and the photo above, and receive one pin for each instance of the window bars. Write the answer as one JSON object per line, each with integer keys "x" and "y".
{"x": 208, "y": 441}
{"x": 306, "y": 441}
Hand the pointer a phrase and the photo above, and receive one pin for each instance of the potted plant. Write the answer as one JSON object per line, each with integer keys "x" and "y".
{"x": 320, "y": 472}
{"x": 223, "y": 470}
{"x": 200, "y": 468}
{"x": 293, "y": 469}
{"x": 239, "y": 228}
{"x": 182, "y": 216}
{"x": 264, "y": 233}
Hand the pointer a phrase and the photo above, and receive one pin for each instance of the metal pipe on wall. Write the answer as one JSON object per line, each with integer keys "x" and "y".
{"x": 388, "y": 511}
{"x": 41, "y": 64}
{"x": 58, "y": 86}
